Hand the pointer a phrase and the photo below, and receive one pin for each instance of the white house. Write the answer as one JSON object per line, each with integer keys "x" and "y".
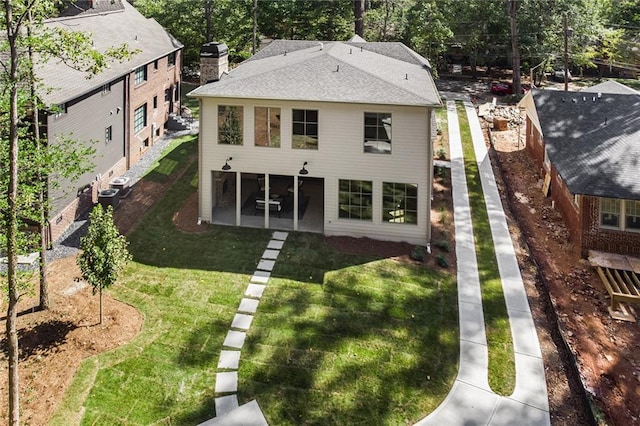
{"x": 349, "y": 124}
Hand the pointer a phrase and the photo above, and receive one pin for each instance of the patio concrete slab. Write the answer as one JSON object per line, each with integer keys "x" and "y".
{"x": 227, "y": 382}
{"x": 255, "y": 290}
{"x": 275, "y": 244}
{"x": 242, "y": 321}
{"x": 248, "y": 414}
{"x": 229, "y": 360}
{"x": 249, "y": 306}
{"x": 226, "y": 404}
{"x": 266, "y": 265}
{"x": 235, "y": 339}
{"x": 270, "y": 254}
{"x": 279, "y": 235}
{"x": 260, "y": 277}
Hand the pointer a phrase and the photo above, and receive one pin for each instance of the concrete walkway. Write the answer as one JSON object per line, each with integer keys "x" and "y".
{"x": 471, "y": 400}
{"x": 228, "y": 412}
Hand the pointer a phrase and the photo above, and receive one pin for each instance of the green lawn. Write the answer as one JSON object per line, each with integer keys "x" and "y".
{"x": 337, "y": 338}
{"x": 498, "y": 330}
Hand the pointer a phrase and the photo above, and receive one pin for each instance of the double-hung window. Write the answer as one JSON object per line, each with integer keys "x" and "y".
{"x": 632, "y": 215}
{"x": 108, "y": 134}
{"x": 377, "y": 132}
{"x": 305, "y": 129}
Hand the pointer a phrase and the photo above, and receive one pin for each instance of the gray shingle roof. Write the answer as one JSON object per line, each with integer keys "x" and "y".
{"x": 107, "y": 29}
{"x": 611, "y": 86}
{"x": 593, "y": 141}
{"x": 388, "y": 73}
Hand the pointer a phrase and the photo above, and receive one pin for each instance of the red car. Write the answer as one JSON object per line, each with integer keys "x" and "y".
{"x": 505, "y": 88}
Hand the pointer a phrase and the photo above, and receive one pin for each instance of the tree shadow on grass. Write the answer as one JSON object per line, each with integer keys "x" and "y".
{"x": 41, "y": 339}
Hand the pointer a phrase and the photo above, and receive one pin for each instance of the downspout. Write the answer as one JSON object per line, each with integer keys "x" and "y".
{"x": 125, "y": 117}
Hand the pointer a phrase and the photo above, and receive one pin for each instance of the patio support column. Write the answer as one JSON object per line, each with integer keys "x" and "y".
{"x": 267, "y": 197}
{"x": 295, "y": 202}
{"x": 238, "y": 198}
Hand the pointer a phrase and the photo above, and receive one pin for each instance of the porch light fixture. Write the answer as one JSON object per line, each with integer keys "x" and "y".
{"x": 303, "y": 170}
{"x": 226, "y": 166}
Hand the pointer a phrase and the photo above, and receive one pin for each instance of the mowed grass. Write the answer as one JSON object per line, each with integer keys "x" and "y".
{"x": 497, "y": 327}
{"x": 337, "y": 339}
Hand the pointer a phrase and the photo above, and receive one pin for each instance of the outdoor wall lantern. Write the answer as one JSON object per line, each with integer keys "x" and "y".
{"x": 226, "y": 166}
{"x": 303, "y": 170}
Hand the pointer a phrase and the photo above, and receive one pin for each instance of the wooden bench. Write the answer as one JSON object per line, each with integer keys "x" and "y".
{"x": 274, "y": 206}
{"x": 620, "y": 276}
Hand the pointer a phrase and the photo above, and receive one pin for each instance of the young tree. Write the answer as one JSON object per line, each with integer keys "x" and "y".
{"x": 104, "y": 251}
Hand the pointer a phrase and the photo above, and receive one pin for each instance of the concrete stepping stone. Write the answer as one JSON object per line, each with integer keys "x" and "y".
{"x": 248, "y": 414}
{"x": 235, "y": 339}
{"x": 227, "y": 382}
{"x": 270, "y": 254}
{"x": 242, "y": 321}
{"x": 266, "y": 265}
{"x": 255, "y": 290}
{"x": 226, "y": 404}
{"x": 279, "y": 235}
{"x": 260, "y": 277}
{"x": 275, "y": 245}
{"x": 248, "y": 305}
{"x": 229, "y": 359}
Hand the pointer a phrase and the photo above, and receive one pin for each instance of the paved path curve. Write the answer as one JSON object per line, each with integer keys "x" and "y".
{"x": 471, "y": 400}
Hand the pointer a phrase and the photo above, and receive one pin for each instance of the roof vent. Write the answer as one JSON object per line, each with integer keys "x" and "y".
{"x": 321, "y": 45}
{"x": 574, "y": 100}
{"x": 599, "y": 95}
{"x": 584, "y": 99}
{"x": 406, "y": 76}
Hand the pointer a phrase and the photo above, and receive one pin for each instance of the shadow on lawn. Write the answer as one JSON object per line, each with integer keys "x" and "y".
{"x": 375, "y": 354}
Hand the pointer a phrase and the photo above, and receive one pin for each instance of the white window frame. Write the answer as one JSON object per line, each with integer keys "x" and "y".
{"x": 622, "y": 215}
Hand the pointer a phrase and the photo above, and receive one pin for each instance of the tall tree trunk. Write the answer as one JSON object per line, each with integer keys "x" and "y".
{"x": 254, "y": 47}
{"x": 515, "y": 52}
{"x": 387, "y": 12}
{"x": 100, "y": 305}
{"x": 42, "y": 216}
{"x": 358, "y": 13}
{"x": 11, "y": 224}
{"x": 208, "y": 6}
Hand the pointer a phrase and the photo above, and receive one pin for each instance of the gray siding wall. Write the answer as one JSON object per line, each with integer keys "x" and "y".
{"x": 87, "y": 121}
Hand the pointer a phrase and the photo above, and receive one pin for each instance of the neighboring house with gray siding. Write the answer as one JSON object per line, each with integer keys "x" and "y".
{"x": 122, "y": 110}
{"x": 587, "y": 144}
{"x": 332, "y": 137}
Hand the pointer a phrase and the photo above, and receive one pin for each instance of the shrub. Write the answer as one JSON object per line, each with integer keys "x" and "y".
{"x": 443, "y": 245}
{"x": 442, "y": 261}
{"x": 418, "y": 253}
{"x": 441, "y": 153}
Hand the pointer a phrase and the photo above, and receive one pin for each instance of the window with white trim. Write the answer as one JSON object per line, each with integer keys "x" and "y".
{"x": 108, "y": 134}
{"x": 632, "y": 215}
{"x": 230, "y": 122}
{"x": 267, "y": 127}
{"x": 355, "y": 199}
{"x": 305, "y": 128}
{"x": 399, "y": 203}
{"x": 377, "y": 132}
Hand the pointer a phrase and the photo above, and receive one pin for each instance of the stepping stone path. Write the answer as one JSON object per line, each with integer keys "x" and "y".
{"x": 227, "y": 375}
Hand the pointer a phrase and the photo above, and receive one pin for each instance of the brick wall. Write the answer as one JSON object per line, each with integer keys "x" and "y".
{"x": 564, "y": 203}
{"x": 596, "y": 238}
{"x": 534, "y": 145}
{"x": 159, "y": 79}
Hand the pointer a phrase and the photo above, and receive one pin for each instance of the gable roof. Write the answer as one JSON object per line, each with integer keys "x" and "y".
{"x": 123, "y": 24}
{"x": 377, "y": 73}
{"x": 593, "y": 140}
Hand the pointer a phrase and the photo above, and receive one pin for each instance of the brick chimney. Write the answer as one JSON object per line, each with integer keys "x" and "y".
{"x": 213, "y": 61}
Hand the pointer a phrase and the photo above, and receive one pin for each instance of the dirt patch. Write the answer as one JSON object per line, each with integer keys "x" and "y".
{"x": 186, "y": 219}
{"x": 606, "y": 351}
{"x": 53, "y": 343}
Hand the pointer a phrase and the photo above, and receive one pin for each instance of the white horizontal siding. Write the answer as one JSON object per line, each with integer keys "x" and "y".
{"x": 340, "y": 155}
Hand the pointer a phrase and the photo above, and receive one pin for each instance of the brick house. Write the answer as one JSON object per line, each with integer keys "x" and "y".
{"x": 122, "y": 110}
{"x": 587, "y": 147}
